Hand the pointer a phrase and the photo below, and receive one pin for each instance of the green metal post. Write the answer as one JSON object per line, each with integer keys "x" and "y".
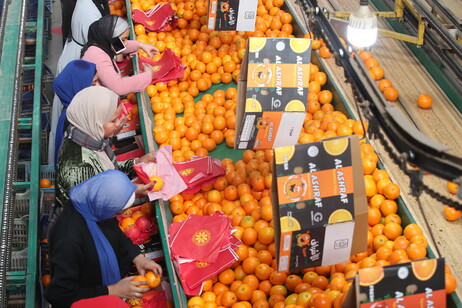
{"x": 32, "y": 256}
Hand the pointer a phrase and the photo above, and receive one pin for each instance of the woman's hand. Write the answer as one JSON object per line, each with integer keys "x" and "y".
{"x": 147, "y": 158}
{"x": 151, "y": 50}
{"x": 143, "y": 264}
{"x": 148, "y": 68}
{"x": 143, "y": 189}
{"x": 127, "y": 288}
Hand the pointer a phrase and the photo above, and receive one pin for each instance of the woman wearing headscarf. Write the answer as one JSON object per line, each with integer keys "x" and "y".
{"x": 89, "y": 254}
{"x": 94, "y": 118}
{"x": 79, "y": 20}
{"x": 77, "y": 75}
{"x": 101, "y": 49}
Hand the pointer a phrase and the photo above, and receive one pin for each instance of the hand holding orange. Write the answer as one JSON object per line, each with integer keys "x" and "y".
{"x": 158, "y": 182}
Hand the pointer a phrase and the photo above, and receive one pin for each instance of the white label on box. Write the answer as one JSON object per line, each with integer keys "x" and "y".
{"x": 211, "y": 24}
{"x": 247, "y": 15}
{"x": 243, "y": 145}
{"x": 286, "y": 243}
{"x": 289, "y": 129}
{"x": 337, "y": 243}
{"x": 247, "y": 127}
{"x": 284, "y": 263}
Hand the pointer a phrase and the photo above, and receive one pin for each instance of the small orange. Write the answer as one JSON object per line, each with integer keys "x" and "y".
{"x": 450, "y": 283}
{"x": 412, "y": 229}
{"x": 46, "y": 279}
{"x": 391, "y": 191}
{"x": 141, "y": 278}
{"x": 416, "y": 251}
{"x": 452, "y": 187}
{"x": 324, "y": 52}
{"x": 384, "y": 83}
{"x": 451, "y": 214}
{"x": 391, "y": 94}
{"x": 154, "y": 281}
{"x": 45, "y": 183}
{"x": 424, "y": 101}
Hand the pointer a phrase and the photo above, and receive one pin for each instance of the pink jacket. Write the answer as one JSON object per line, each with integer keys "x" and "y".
{"x": 111, "y": 79}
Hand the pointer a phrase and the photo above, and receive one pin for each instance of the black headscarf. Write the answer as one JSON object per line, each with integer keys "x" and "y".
{"x": 102, "y": 6}
{"x": 100, "y": 35}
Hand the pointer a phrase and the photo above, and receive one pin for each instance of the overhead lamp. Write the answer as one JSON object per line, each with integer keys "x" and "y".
{"x": 362, "y": 26}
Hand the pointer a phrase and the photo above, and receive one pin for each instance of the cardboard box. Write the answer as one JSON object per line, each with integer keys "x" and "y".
{"x": 418, "y": 283}
{"x": 272, "y": 92}
{"x": 320, "y": 205}
{"x": 226, "y": 15}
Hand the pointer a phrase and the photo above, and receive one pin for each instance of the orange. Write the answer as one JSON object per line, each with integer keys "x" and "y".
{"x": 374, "y": 216}
{"x": 416, "y": 251}
{"x": 45, "y": 183}
{"x": 365, "y": 55}
{"x": 391, "y": 191}
{"x": 412, "y": 229}
{"x": 244, "y": 292}
{"x": 266, "y": 235}
{"x": 250, "y": 264}
{"x": 391, "y": 94}
{"x": 265, "y": 256}
{"x": 46, "y": 279}
{"x": 141, "y": 278}
{"x": 227, "y": 276}
{"x": 383, "y": 84}
{"x": 419, "y": 239}
{"x": 452, "y": 187}
{"x": 451, "y": 214}
{"x": 392, "y": 230}
{"x": 325, "y": 97}
{"x": 377, "y": 72}
{"x": 320, "y": 282}
{"x": 249, "y": 236}
{"x": 424, "y": 101}
{"x": 371, "y": 62}
{"x": 126, "y": 223}
{"x": 263, "y": 271}
{"x": 388, "y": 207}
{"x": 450, "y": 283}
{"x": 320, "y": 77}
{"x": 154, "y": 281}
{"x": 228, "y": 299}
{"x": 324, "y": 52}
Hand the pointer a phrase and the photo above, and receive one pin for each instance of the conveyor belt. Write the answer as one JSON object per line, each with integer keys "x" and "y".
{"x": 442, "y": 123}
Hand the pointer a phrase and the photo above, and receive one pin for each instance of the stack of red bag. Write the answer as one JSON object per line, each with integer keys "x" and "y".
{"x": 156, "y": 19}
{"x": 202, "y": 247}
{"x": 199, "y": 171}
{"x": 169, "y": 67}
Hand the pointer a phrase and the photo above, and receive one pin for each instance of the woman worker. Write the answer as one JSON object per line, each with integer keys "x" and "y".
{"x": 77, "y": 75}
{"x": 94, "y": 117}
{"x": 89, "y": 254}
{"x": 76, "y": 30}
{"x": 107, "y": 38}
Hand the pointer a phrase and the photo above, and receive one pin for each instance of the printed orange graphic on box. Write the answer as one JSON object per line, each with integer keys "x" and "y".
{"x": 320, "y": 204}
{"x": 226, "y": 15}
{"x": 414, "y": 284}
{"x": 272, "y": 92}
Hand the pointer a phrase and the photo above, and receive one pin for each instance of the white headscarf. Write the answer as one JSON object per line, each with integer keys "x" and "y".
{"x": 120, "y": 27}
{"x": 89, "y": 110}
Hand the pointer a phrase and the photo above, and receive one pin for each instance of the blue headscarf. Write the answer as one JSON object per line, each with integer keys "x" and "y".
{"x": 76, "y": 76}
{"x": 99, "y": 198}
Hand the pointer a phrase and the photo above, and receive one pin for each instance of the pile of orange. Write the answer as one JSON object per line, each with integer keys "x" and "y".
{"x": 244, "y": 192}
{"x": 118, "y": 8}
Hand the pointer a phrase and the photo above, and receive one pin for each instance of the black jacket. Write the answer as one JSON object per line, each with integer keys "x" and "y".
{"x": 75, "y": 267}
